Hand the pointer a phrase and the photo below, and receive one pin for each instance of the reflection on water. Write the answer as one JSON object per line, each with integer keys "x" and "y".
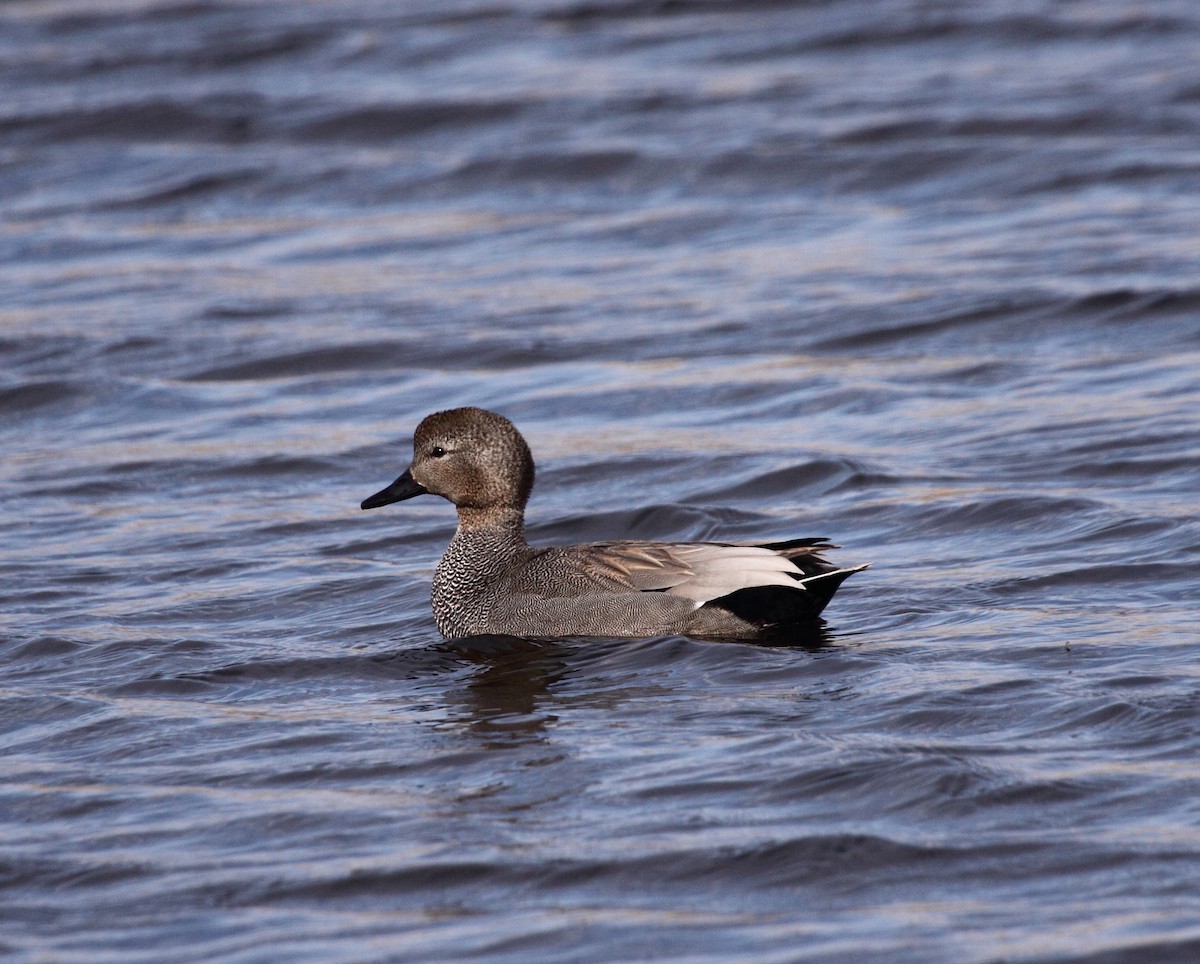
{"x": 507, "y": 701}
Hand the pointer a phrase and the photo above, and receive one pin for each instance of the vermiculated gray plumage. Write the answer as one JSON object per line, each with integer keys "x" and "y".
{"x": 490, "y": 580}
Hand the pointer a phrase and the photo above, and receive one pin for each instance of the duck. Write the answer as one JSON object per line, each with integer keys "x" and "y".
{"x": 490, "y": 581}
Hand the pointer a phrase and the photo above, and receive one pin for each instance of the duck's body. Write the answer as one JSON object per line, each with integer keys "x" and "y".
{"x": 490, "y": 580}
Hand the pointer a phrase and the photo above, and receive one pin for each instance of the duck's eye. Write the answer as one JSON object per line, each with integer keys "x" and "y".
{"x": 437, "y": 451}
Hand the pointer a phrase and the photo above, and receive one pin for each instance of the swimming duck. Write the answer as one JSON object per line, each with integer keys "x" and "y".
{"x": 491, "y": 581}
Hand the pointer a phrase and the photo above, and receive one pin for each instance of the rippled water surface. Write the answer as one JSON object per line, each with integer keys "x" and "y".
{"x": 918, "y": 277}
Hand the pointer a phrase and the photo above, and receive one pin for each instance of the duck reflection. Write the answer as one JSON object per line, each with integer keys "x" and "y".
{"x": 509, "y": 700}
{"x": 506, "y": 702}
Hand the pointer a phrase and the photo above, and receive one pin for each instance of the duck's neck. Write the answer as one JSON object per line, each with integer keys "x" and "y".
{"x": 485, "y": 544}
{"x": 500, "y": 524}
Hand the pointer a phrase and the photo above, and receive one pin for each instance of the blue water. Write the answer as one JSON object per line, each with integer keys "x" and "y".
{"x": 916, "y": 277}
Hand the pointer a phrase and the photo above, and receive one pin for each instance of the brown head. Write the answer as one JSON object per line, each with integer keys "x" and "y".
{"x": 475, "y": 458}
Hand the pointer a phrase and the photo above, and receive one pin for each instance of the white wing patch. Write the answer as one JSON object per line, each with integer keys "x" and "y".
{"x": 720, "y": 570}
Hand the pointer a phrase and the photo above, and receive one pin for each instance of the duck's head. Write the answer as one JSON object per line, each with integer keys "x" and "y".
{"x": 475, "y": 458}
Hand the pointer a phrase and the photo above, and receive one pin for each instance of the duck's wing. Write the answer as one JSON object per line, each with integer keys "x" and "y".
{"x": 701, "y": 571}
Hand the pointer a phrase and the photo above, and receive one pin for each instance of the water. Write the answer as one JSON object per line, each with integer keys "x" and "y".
{"x": 917, "y": 277}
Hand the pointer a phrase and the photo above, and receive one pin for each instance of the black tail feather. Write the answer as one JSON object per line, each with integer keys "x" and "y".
{"x": 781, "y": 606}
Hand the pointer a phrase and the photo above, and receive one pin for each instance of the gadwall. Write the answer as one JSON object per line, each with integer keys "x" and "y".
{"x": 491, "y": 580}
